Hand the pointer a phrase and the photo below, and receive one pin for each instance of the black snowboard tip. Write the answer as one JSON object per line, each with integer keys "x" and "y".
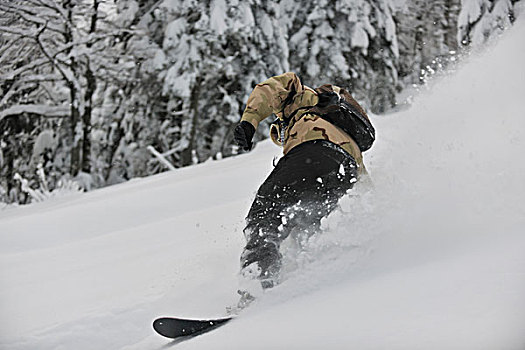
{"x": 172, "y": 327}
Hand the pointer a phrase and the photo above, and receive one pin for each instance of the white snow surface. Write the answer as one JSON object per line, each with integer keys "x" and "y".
{"x": 432, "y": 257}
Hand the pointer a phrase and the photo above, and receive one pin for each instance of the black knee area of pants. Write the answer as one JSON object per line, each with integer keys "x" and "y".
{"x": 304, "y": 187}
{"x": 266, "y": 255}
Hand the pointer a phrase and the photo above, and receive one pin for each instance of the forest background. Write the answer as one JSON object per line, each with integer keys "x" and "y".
{"x": 97, "y": 92}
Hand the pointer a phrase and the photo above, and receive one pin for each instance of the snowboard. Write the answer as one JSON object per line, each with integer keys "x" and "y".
{"x": 184, "y": 328}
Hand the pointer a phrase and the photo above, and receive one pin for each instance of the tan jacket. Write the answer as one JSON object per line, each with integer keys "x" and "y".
{"x": 270, "y": 96}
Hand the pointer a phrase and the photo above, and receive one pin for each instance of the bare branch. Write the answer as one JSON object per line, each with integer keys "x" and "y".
{"x": 18, "y": 31}
{"x": 26, "y": 82}
{"x": 49, "y": 93}
{"x": 7, "y": 47}
{"x": 28, "y": 67}
{"x": 43, "y": 4}
{"x": 30, "y": 16}
{"x": 38, "y": 20}
{"x": 38, "y": 109}
{"x": 63, "y": 14}
{"x": 92, "y": 39}
{"x": 66, "y": 73}
{"x": 9, "y": 52}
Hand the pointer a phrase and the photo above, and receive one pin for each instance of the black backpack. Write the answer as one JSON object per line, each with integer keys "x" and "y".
{"x": 339, "y": 109}
{"x": 344, "y": 112}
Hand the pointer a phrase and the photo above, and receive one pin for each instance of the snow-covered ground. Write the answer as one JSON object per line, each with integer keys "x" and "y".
{"x": 433, "y": 257}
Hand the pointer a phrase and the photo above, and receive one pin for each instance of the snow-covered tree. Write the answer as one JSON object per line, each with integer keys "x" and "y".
{"x": 350, "y": 43}
{"x": 105, "y": 91}
{"x": 55, "y": 57}
{"x": 481, "y": 19}
{"x": 215, "y": 52}
{"x": 426, "y": 32}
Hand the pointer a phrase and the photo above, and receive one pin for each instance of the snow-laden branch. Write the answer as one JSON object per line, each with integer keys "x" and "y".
{"x": 34, "y": 64}
{"x": 17, "y": 31}
{"x": 64, "y": 16}
{"x": 7, "y": 47}
{"x": 28, "y": 81}
{"x": 40, "y": 109}
{"x": 91, "y": 39}
{"x": 15, "y": 51}
{"x": 161, "y": 158}
{"x": 68, "y": 75}
{"x": 30, "y": 16}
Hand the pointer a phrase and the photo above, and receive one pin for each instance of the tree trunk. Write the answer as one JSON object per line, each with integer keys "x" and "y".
{"x": 74, "y": 142}
{"x": 86, "y": 119}
{"x": 73, "y": 97}
{"x": 187, "y": 154}
{"x": 88, "y": 100}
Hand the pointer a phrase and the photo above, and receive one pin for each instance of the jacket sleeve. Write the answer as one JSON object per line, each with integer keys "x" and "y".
{"x": 269, "y": 96}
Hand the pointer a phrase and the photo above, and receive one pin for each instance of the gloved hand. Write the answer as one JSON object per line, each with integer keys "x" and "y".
{"x": 243, "y": 135}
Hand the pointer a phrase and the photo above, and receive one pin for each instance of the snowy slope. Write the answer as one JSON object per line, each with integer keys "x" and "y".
{"x": 430, "y": 258}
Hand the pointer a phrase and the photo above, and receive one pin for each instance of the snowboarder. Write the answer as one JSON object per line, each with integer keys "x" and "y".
{"x": 323, "y": 133}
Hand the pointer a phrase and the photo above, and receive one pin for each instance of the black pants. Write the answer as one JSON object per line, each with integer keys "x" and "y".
{"x": 304, "y": 187}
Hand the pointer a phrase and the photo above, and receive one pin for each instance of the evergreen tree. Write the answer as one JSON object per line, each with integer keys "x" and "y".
{"x": 479, "y": 20}
{"x": 349, "y": 43}
{"x": 426, "y": 32}
{"x": 216, "y": 52}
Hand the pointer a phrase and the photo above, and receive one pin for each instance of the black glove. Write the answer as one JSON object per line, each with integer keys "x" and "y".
{"x": 243, "y": 135}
